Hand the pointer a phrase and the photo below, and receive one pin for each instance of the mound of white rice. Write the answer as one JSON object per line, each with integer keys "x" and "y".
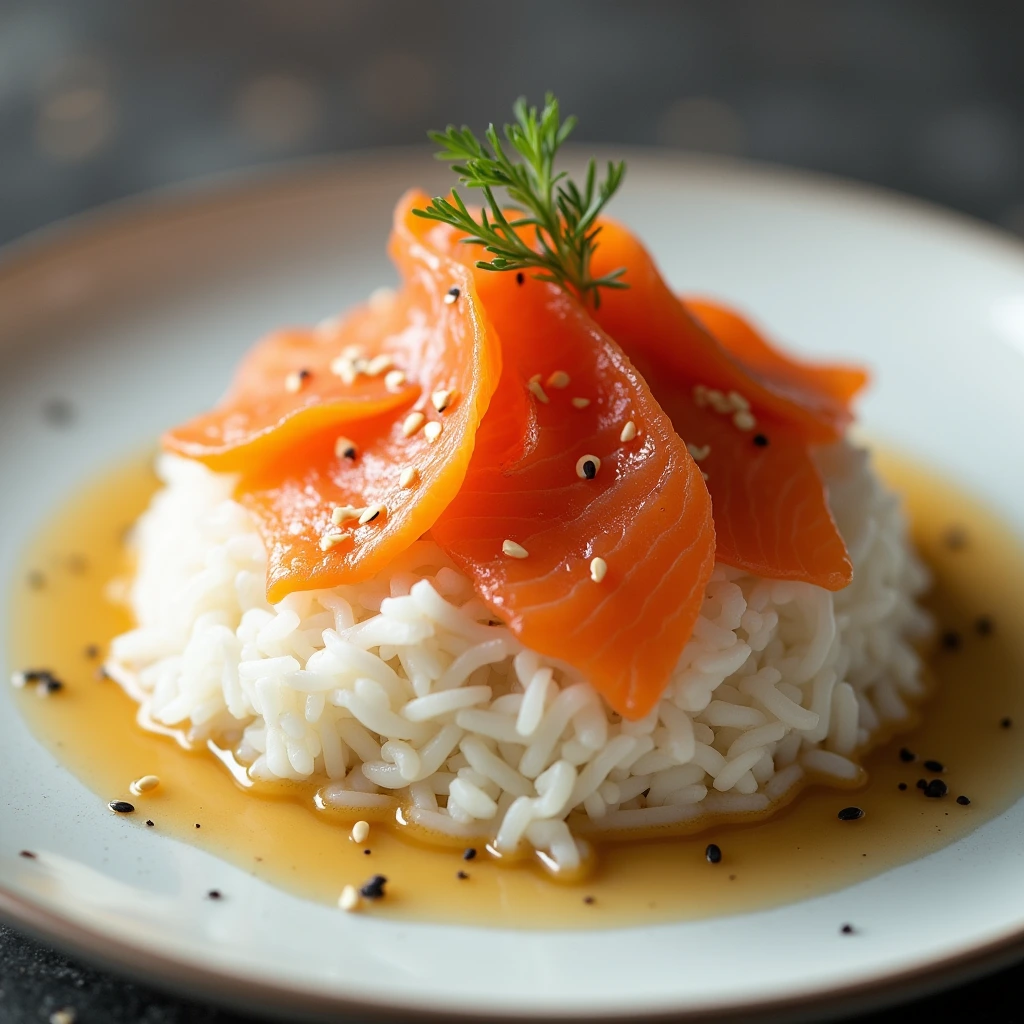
{"x": 401, "y": 695}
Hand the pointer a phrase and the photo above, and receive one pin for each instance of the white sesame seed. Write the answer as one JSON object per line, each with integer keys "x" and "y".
{"x": 332, "y": 540}
{"x": 514, "y": 550}
{"x": 559, "y": 379}
{"x": 144, "y": 785}
{"x": 536, "y": 378}
{"x": 345, "y": 448}
{"x": 587, "y": 466}
{"x": 293, "y": 382}
{"x": 345, "y": 368}
{"x": 581, "y": 403}
{"x": 442, "y": 399}
{"x": 409, "y": 477}
{"x": 360, "y": 830}
{"x": 412, "y": 423}
{"x": 738, "y": 401}
{"x": 628, "y": 432}
{"x": 432, "y": 431}
{"x": 18, "y": 680}
{"x": 378, "y": 364}
{"x": 394, "y": 380}
{"x": 349, "y": 899}
{"x": 697, "y": 453}
{"x": 537, "y": 391}
{"x": 700, "y": 395}
{"x": 371, "y": 512}
{"x": 719, "y": 402}
{"x": 65, "y": 1016}
{"x": 353, "y": 352}
{"x": 744, "y": 420}
{"x": 451, "y": 296}
{"x": 598, "y": 568}
{"x": 703, "y": 474}
{"x": 381, "y": 298}
{"x": 343, "y": 513}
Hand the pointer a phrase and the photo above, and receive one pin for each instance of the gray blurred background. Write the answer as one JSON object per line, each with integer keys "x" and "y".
{"x": 105, "y": 98}
{"x": 101, "y": 99}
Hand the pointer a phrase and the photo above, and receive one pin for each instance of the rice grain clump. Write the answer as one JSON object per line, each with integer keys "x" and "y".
{"x": 399, "y": 693}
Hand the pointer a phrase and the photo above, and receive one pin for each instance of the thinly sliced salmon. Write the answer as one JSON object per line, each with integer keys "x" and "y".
{"x": 771, "y": 510}
{"x": 645, "y": 512}
{"x": 648, "y": 318}
{"x": 439, "y": 336}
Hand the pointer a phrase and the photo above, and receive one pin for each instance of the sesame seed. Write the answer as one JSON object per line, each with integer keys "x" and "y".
{"x": 451, "y": 297}
{"x": 332, "y": 540}
{"x": 27, "y": 854}
{"x": 744, "y": 420}
{"x": 461, "y": 875}
{"x": 412, "y": 423}
{"x": 345, "y": 448}
{"x": 145, "y": 785}
{"x": 700, "y": 395}
{"x": 382, "y": 298}
{"x": 214, "y": 894}
{"x": 921, "y": 783}
{"x": 442, "y": 399}
{"x": 150, "y": 823}
{"x": 559, "y": 379}
{"x": 761, "y": 440}
{"x": 587, "y": 466}
{"x": 847, "y": 929}
{"x": 121, "y": 806}
{"x": 906, "y": 756}
{"x": 349, "y": 899}
{"x": 963, "y": 801}
{"x": 738, "y": 401}
{"x": 934, "y": 766}
{"x": 343, "y": 513}
{"x": 851, "y": 814}
{"x": 394, "y": 380}
{"x": 537, "y": 391}
{"x": 580, "y": 403}
{"x": 360, "y": 830}
{"x": 713, "y": 854}
{"x": 378, "y": 364}
{"x": 294, "y": 381}
{"x": 520, "y": 277}
{"x": 589, "y": 900}
{"x": 64, "y": 1016}
{"x": 718, "y": 401}
{"x": 432, "y": 431}
{"x": 371, "y": 512}
{"x": 409, "y": 477}
{"x": 374, "y": 888}
{"x": 598, "y": 568}
{"x": 469, "y": 853}
{"x": 697, "y": 453}
{"x": 902, "y": 786}
{"x": 92, "y": 651}
{"x": 514, "y": 550}
{"x": 19, "y": 679}
{"x": 936, "y": 788}
{"x": 951, "y": 640}
{"x": 628, "y": 432}
{"x": 1006, "y": 723}
{"x": 48, "y": 685}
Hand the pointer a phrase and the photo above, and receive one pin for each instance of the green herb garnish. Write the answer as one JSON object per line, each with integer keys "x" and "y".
{"x": 561, "y": 213}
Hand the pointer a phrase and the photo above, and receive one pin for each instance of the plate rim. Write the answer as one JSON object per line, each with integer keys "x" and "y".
{"x": 244, "y": 186}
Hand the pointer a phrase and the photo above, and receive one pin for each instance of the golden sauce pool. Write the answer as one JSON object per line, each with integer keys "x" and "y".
{"x": 969, "y": 724}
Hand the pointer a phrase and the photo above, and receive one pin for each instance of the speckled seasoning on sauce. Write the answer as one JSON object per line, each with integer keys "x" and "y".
{"x": 802, "y": 851}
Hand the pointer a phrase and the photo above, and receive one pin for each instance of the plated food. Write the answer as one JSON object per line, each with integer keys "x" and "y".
{"x": 109, "y": 883}
{"x": 530, "y": 549}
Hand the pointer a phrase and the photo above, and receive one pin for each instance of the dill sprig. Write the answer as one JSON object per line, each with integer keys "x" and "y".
{"x": 562, "y": 214}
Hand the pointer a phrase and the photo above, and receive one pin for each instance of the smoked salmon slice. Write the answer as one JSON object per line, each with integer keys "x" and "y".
{"x": 359, "y": 477}
{"x": 575, "y": 461}
{"x": 747, "y": 412}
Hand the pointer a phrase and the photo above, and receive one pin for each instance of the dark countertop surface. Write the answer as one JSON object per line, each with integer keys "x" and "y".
{"x": 100, "y": 99}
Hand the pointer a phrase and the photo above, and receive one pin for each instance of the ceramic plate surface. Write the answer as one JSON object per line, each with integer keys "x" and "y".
{"x": 139, "y": 314}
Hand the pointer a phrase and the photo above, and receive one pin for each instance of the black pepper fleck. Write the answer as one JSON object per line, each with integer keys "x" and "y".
{"x": 847, "y": 929}
{"x": 350, "y": 452}
{"x": 588, "y": 899}
{"x": 955, "y": 538}
{"x": 305, "y": 374}
{"x": 761, "y": 440}
{"x": 461, "y": 875}
{"x": 1006, "y": 723}
{"x": 121, "y": 806}
{"x": 28, "y": 854}
{"x": 213, "y": 894}
{"x": 520, "y": 277}
{"x": 52, "y": 685}
{"x": 984, "y": 626}
{"x": 907, "y": 755}
{"x": 936, "y": 788}
{"x": 922, "y": 783}
{"x": 92, "y": 651}
{"x": 469, "y": 853}
{"x": 934, "y": 766}
{"x": 713, "y": 854}
{"x": 963, "y": 801}
{"x": 366, "y": 852}
{"x": 951, "y": 640}
{"x": 902, "y": 786}
{"x": 374, "y": 888}
{"x": 851, "y": 814}
{"x": 149, "y": 822}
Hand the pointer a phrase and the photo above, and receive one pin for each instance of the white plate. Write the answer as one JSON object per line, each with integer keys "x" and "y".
{"x": 139, "y": 314}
